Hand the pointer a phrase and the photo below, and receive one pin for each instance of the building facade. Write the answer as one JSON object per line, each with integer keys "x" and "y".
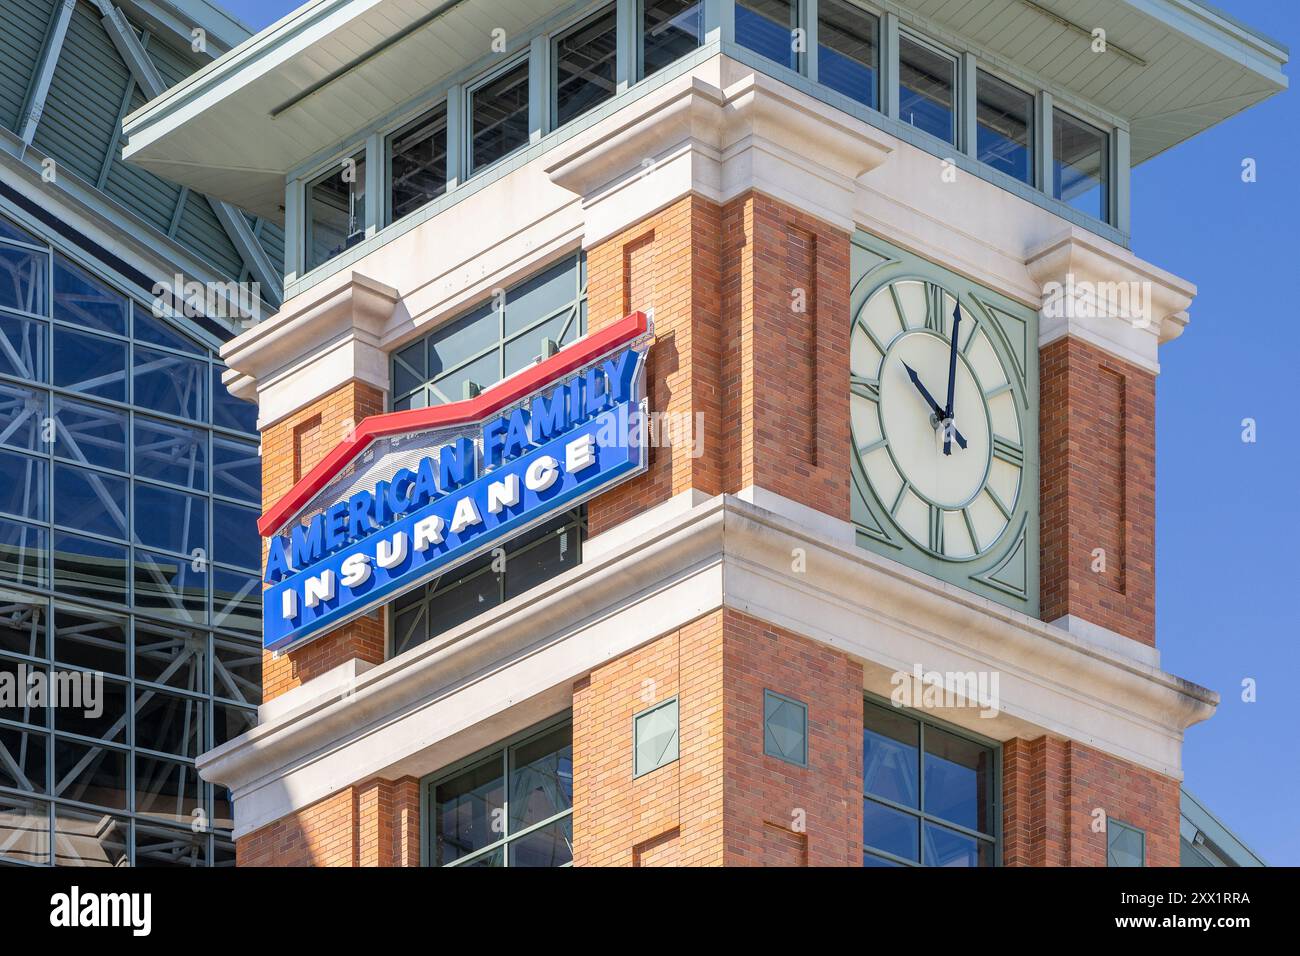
{"x": 129, "y": 476}
{"x": 708, "y": 433}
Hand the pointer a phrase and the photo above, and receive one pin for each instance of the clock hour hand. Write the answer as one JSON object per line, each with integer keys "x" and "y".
{"x": 934, "y": 406}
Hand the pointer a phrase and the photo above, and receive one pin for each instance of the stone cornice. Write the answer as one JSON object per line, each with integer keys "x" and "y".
{"x": 445, "y": 698}
{"x": 1076, "y": 269}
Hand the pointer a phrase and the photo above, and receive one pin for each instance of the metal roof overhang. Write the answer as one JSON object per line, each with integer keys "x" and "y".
{"x": 235, "y": 129}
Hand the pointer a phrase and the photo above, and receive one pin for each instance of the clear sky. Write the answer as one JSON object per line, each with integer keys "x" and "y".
{"x": 1228, "y": 512}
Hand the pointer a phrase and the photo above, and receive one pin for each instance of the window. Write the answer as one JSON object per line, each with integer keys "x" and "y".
{"x": 498, "y": 116}
{"x": 417, "y": 164}
{"x": 336, "y": 213}
{"x": 767, "y": 27}
{"x": 654, "y": 737}
{"x": 785, "y": 728}
{"x": 475, "y": 587}
{"x": 507, "y": 333}
{"x": 1126, "y": 845}
{"x": 929, "y": 796}
{"x": 102, "y": 505}
{"x": 1004, "y": 119}
{"x": 584, "y": 66}
{"x": 670, "y": 29}
{"x": 848, "y": 51}
{"x": 510, "y": 806}
{"x": 1080, "y": 165}
{"x": 927, "y": 80}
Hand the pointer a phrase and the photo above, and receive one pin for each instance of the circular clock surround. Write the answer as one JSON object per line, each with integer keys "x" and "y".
{"x": 959, "y": 506}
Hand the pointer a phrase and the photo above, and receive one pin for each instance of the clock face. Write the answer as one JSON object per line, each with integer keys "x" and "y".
{"x": 955, "y": 504}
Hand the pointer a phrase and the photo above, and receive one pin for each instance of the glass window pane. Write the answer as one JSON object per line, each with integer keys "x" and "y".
{"x": 89, "y": 773}
{"x": 22, "y": 624}
{"x": 90, "y": 501}
{"x": 584, "y": 66}
{"x": 169, "y": 723}
{"x": 893, "y": 831}
{"x": 86, "y": 838}
{"x": 555, "y": 551}
{"x": 24, "y": 830}
{"x": 90, "y": 363}
{"x": 23, "y": 554}
{"x": 170, "y": 587}
{"x": 23, "y": 279}
{"x": 106, "y": 720}
{"x": 175, "y": 521}
{"x": 83, "y": 299}
{"x": 91, "y": 639}
{"x": 236, "y": 469}
{"x": 870, "y": 859}
{"x": 237, "y": 669}
{"x": 22, "y": 415}
{"x": 670, "y": 29}
{"x": 848, "y": 51}
{"x": 468, "y": 811}
{"x": 172, "y": 655}
{"x": 417, "y": 163}
{"x": 767, "y": 28}
{"x": 1125, "y": 845}
{"x": 158, "y": 331}
{"x": 22, "y": 347}
{"x": 171, "y": 384}
{"x": 890, "y": 744}
{"x": 944, "y": 847}
{"x": 454, "y": 343}
{"x": 409, "y": 371}
{"x": 236, "y": 601}
{"x": 541, "y": 778}
{"x": 84, "y": 567}
{"x": 499, "y": 116}
{"x": 229, "y": 722}
{"x": 541, "y": 295}
{"x": 958, "y": 780}
{"x": 336, "y": 211}
{"x": 22, "y": 486}
{"x": 11, "y": 230}
{"x": 454, "y": 386}
{"x": 1081, "y": 165}
{"x": 89, "y": 434}
{"x": 167, "y": 790}
{"x": 169, "y": 846}
{"x": 24, "y": 760}
{"x": 927, "y": 79}
{"x": 551, "y": 845}
{"x": 172, "y": 453}
{"x": 228, "y": 411}
{"x": 235, "y": 539}
{"x": 1004, "y": 118}
{"x": 23, "y": 708}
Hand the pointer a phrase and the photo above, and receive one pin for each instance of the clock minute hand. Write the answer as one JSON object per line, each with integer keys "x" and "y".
{"x": 934, "y": 406}
{"x": 952, "y": 380}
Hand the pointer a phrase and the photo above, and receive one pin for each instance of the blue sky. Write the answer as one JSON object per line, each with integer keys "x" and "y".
{"x": 1227, "y": 512}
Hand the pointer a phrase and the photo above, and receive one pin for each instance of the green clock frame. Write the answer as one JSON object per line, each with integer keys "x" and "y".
{"x": 1008, "y": 571}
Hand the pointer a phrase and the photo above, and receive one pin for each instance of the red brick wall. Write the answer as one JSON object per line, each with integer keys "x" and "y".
{"x": 1097, "y": 448}
{"x": 290, "y": 449}
{"x": 1056, "y": 793}
{"x": 722, "y": 801}
{"x": 375, "y": 823}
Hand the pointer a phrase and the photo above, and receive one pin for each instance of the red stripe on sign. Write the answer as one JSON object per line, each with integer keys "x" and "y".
{"x": 582, "y": 352}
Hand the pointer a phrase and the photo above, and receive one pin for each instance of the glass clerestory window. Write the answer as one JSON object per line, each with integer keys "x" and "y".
{"x": 336, "y": 210}
{"x": 583, "y": 59}
{"x": 768, "y": 28}
{"x": 498, "y": 116}
{"x": 929, "y": 795}
{"x": 1004, "y": 119}
{"x": 509, "y": 806}
{"x": 927, "y": 81}
{"x": 1081, "y": 165}
{"x": 417, "y": 163}
{"x": 848, "y": 51}
{"x": 670, "y": 30}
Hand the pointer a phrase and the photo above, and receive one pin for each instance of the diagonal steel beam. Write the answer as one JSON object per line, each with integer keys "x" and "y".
{"x": 232, "y": 220}
{"x": 40, "y": 88}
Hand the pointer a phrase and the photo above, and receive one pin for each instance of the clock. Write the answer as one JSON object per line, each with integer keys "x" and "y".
{"x": 937, "y": 415}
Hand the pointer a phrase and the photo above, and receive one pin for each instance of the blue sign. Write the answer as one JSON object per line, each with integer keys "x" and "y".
{"x": 565, "y": 445}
